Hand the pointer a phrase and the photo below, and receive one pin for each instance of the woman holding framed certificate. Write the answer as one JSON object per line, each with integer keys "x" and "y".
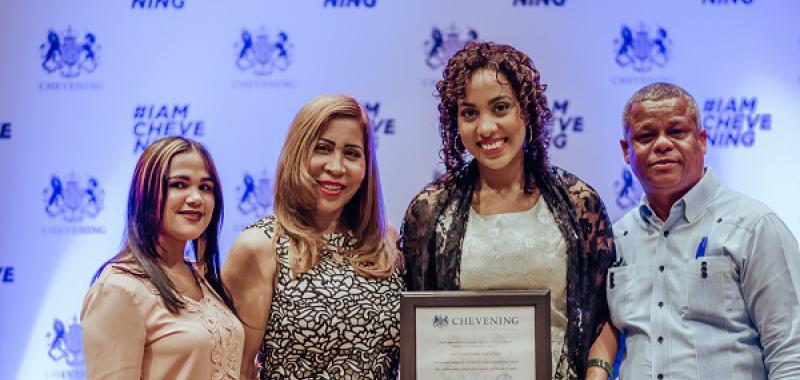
{"x": 502, "y": 218}
{"x": 316, "y": 284}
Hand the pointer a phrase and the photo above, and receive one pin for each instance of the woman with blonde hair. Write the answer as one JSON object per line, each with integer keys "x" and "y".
{"x": 316, "y": 284}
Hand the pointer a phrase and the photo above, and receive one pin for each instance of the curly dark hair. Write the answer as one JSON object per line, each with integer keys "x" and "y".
{"x": 524, "y": 80}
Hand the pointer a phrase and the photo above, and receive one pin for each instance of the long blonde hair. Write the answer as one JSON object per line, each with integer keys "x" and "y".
{"x": 296, "y": 195}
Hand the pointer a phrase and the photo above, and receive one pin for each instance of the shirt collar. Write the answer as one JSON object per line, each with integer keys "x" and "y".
{"x": 690, "y": 205}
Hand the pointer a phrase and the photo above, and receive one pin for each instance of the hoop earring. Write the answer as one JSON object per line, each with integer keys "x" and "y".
{"x": 529, "y": 132}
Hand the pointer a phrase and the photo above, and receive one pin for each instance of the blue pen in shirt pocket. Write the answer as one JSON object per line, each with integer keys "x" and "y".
{"x": 701, "y": 253}
{"x": 701, "y": 249}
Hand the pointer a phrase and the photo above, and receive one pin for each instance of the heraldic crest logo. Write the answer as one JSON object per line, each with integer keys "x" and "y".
{"x": 72, "y": 200}
{"x": 68, "y": 55}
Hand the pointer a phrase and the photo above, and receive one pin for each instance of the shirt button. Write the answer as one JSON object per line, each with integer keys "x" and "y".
{"x": 660, "y": 340}
{"x": 666, "y": 233}
{"x": 661, "y": 268}
{"x": 660, "y": 376}
{"x": 660, "y": 304}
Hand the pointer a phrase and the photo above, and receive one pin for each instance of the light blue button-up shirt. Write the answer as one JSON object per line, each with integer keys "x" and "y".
{"x": 727, "y": 308}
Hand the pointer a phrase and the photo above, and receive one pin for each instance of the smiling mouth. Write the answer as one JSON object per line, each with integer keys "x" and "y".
{"x": 492, "y": 146}
{"x": 195, "y": 216}
{"x": 330, "y": 188}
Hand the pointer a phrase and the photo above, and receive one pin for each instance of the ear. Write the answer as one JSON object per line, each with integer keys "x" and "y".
{"x": 703, "y": 136}
{"x": 623, "y": 144}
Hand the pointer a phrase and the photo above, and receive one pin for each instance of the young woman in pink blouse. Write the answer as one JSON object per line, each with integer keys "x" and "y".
{"x": 150, "y": 314}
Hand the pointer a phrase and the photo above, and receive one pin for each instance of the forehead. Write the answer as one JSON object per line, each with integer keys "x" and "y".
{"x": 662, "y": 109}
{"x": 486, "y": 83}
{"x": 188, "y": 162}
{"x": 346, "y": 130}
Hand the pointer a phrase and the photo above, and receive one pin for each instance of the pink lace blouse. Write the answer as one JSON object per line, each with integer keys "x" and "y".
{"x": 129, "y": 334}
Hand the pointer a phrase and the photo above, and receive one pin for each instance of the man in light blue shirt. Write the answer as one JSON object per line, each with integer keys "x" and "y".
{"x": 707, "y": 283}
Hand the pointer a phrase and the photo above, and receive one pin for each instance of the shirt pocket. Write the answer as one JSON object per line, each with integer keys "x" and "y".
{"x": 713, "y": 294}
{"x": 620, "y": 293}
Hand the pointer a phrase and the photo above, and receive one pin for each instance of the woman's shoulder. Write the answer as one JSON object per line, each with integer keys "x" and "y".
{"x": 265, "y": 226}
{"x": 575, "y": 186}
{"x": 122, "y": 278}
{"x": 255, "y": 241}
{"x": 427, "y": 197}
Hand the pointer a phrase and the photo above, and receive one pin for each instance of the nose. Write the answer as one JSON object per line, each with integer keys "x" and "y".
{"x": 334, "y": 165}
{"x": 486, "y": 126}
{"x": 194, "y": 198}
{"x": 662, "y": 143}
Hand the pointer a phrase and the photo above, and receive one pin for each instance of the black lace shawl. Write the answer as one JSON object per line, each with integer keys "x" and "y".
{"x": 432, "y": 255}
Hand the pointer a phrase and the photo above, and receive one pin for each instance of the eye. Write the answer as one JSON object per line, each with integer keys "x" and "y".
{"x": 678, "y": 132}
{"x": 177, "y": 185}
{"x": 353, "y": 153}
{"x": 207, "y": 187}
{"x": 322, "y": 148}
{"x": 469, "y": 113}
{"x": 502, "y": 107}
{"x": 643, "y": 137}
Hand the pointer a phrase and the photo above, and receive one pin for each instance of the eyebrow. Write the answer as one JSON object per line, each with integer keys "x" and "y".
{"x": 346, "y": 145}
{"x": 491, "y": 101}
{"x": 186, "y": 177}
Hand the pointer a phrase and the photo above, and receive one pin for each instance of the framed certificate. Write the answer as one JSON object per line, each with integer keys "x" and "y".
{"x": 492, "y": 335}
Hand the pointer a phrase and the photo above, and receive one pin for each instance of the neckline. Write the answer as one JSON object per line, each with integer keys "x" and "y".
{"x": 512, "y": 213}
{"x": 198, "y": 280}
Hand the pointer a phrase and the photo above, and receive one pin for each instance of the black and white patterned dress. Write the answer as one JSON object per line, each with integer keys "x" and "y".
{"x": 330, "y": 323}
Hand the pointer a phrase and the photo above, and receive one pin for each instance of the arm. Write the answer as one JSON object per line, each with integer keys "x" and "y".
{"x": 413, "y": 243}
{"x": 599, "y": 245}
{"x": 604, "y": 347}
{"x": 770, "y": 286}
{"x": 114, "y": 333}
{"x": 249, "y": 273}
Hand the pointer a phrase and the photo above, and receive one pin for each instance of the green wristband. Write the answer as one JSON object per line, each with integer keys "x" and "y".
{"x": 595, "y": 362}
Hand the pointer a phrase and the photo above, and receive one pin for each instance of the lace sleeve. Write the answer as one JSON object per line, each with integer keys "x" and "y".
{"x": 414, "y": 242}
{"x": 598, "y": 243}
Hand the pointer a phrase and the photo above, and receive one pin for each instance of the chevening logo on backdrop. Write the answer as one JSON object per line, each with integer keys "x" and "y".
{"x": 5, "y": 130}
{"x": 263, "y": 54}
{"x": 65, "y": 347}
{"x": 154, "y": 121}
{"x": 255, "y": 195}
{"x": 734, "y": 122}
{"x": 73, "y": 200}
{"x": 442, "y": 45}
{"x": 538, "y": 3}
{"x": 157, "y": 4}
{"x": 627, "y": 189}
{"x": 642, "y": 50}
{"x": 69, "y": 54}
{"x": 563, "y": 124}
{"x": 349, "y": 3}
{"x": 6, "y": 275}
{"x": 381, "y": 126}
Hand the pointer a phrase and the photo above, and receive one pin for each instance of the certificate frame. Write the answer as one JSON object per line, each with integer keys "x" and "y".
{"x": 411, "y": 301}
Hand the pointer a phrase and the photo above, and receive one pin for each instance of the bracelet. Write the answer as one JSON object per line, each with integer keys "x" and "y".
{"x": 596, "y": 362}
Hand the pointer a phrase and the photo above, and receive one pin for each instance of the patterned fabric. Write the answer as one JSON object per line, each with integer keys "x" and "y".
{"x": 434, "y": 227}
{"x": 330, "y": 323}
{"x": 520, "y": 251}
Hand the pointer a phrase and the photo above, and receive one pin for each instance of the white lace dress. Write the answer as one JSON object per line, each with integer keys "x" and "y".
{"x": 519, "y": 251}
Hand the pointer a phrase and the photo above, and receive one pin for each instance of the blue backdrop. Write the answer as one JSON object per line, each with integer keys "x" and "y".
{"x": 86, "y": 85}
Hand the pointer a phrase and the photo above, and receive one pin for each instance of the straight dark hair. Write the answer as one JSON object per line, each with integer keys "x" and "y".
{"x": 139, "y": 253}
